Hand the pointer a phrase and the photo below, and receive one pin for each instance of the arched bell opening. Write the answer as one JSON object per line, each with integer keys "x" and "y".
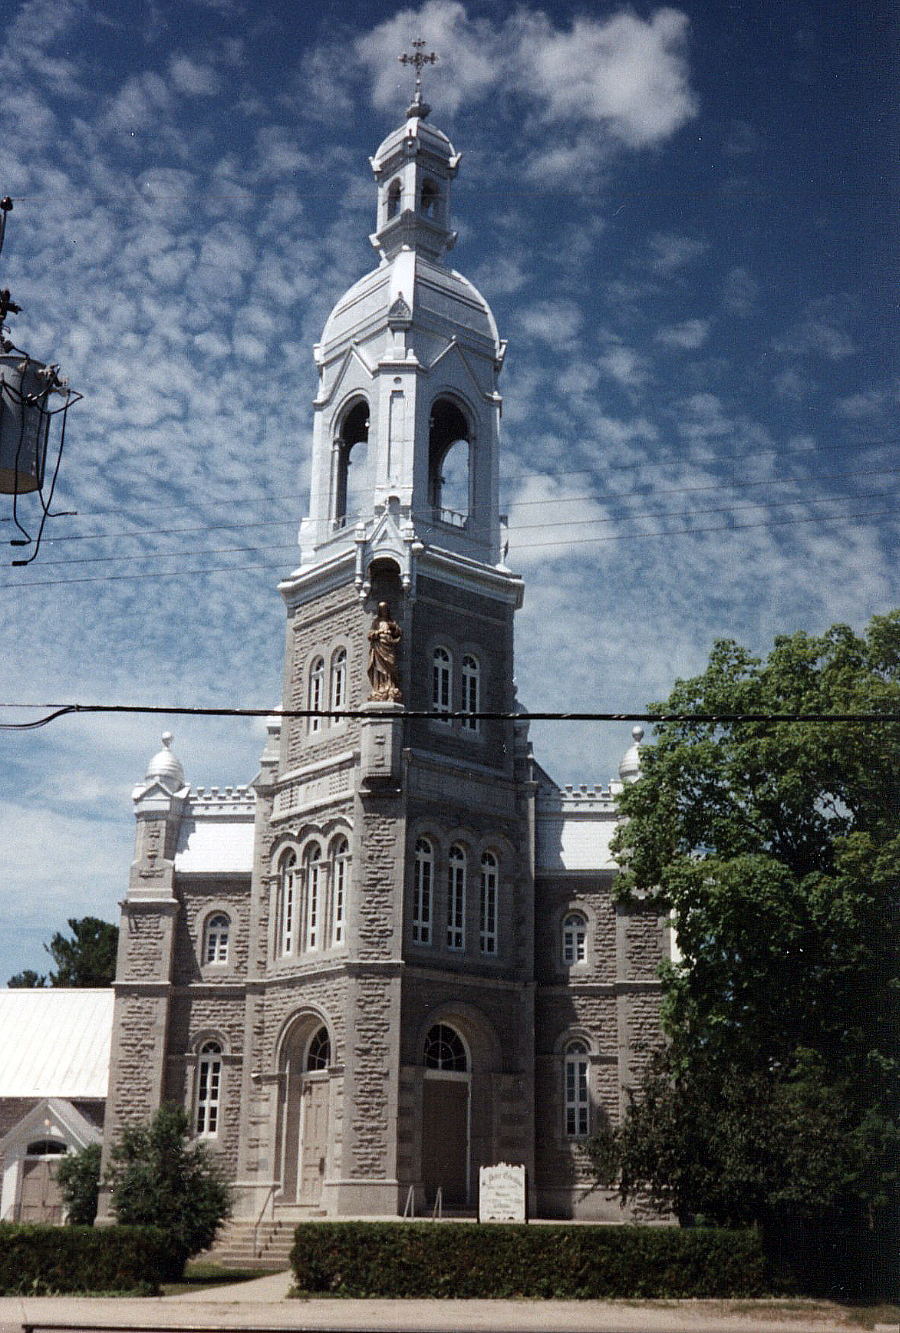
{"x": 394, "y": 193}
{"x": 449, "y": 463}
{"x": 429, "y": 199}
{"x": 351, "y": 482}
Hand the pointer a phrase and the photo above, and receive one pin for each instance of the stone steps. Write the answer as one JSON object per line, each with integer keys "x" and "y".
{"x": 241, "y": 1245}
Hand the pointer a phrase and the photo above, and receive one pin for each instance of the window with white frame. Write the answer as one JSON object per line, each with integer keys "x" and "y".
{"x": 287, "y": 902}
{"x": 471, "y": 691}
{"x": 576, "y": 1094}
{"x": 574, "y": 939}
{"x": 316, "y": 692}
{"x": 215, "y": 939}
{"x": 340, "y": 856}
{"x": 209, "y": 1089}
{"x": 423, "y": 882}
{"x": 441, "y": 682}
{"x": 318, "y": 1052}
{"x": 456, "y": 898}
{"x": 445, "y": 1050}
{"x": 487, "y": 935}
{"x": 339, "y": 681}
{"x": 312, "y": 877}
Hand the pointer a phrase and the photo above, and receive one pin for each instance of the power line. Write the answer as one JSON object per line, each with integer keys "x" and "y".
{"x": 378, "y": 714}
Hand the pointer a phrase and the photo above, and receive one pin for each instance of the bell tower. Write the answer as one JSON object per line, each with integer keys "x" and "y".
{"x": 394, "y": 890}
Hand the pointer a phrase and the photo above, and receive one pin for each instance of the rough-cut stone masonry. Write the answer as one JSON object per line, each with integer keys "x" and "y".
{"x": 144, "y": 934}
{"x": 373, "y": 1067}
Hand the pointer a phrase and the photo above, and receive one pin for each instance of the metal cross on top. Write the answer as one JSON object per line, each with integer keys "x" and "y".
{"x": 419, "y": 59}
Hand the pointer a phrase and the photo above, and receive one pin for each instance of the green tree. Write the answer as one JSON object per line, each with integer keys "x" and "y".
{"x": 88, "y": 958}
{"x": 78, "y": 1176}
{"x": 28, "y": 979}
{"x": 775, "y": 846}
{"x": 159, "y": 1178}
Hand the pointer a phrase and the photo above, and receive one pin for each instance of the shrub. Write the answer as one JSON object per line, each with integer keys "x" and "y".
{"x": 463, "y": 1260}
{"x": 78, "y": 1176}
{"x": 38, "y": 1260}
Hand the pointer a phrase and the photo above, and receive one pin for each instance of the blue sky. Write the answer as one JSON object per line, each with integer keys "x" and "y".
{"x": 682, "y": 218}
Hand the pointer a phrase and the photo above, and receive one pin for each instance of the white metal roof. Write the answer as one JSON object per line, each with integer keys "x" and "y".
{"x": 55, "y": 1042}
{"x": 207, "y": 846}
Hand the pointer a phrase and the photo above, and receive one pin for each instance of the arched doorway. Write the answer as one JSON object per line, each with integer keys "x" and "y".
{"x": 445, "y": 1117}
{"x": 305, "y": 1111}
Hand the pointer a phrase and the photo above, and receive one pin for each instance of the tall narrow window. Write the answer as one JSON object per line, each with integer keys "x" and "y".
{"x": 209, "y": 1088}
{"x": 487, "y": 934}
{"x": 287, "y": 901}
{"x": 429, "y": 197}
{"x": 316, "y": 692}
{"x": 318, "y": 1053}
{"x": 577, "y": 1101}
{"x": 339, "y": 857}
{"x": 313, "y": 897}
{"x": 215, "y": 939}
{"x": 449, "y": 464}
{"x": 339, "y": 681}
{"x": 350, "y": 464}
{"x": 574, "y": 939}
{"x": 393, "y": 198}
{"x": 471, "y": 674}
{"x": 423, "y": 880}
{"x": 441, "y": 682}
{"x": 456, "y": 899}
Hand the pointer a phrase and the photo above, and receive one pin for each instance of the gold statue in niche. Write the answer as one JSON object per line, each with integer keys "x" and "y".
{"x": 384, "y": 642}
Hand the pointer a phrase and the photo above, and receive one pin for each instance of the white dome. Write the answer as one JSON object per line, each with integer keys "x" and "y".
{"x": 165, "y": 767}
{"x": 630, "y": 767}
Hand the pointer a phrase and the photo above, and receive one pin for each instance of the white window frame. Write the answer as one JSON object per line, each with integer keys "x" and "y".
{"x": 471, "y": 692}
{"x": 316, "y": 691}
{"x": 576, "y": 1090}
{"x": 287, "y": 903}
{"x": 574, "y": 939}
{"x": 208, "y": 1102}
{"x": 456, "y": 898}
{"x": 423, "y": 891}
{"x": 338, "y": 683}
{"x": 312, "y": 897}
{"x": 442, "y": 684}
{"x": 216, "y": 940}
{"x": 489, "y": 902}
{"x": 340, "y": 864}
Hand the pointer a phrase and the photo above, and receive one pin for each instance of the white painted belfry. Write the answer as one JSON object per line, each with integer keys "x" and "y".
{"x": 408, "y": 338}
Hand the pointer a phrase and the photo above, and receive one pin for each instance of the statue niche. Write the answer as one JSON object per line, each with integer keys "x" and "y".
{"x": 384, "y": 644}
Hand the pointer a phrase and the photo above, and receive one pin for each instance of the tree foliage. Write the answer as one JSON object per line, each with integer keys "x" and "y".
{"x": 159, "y": 1178}
{"x": 87, "y": 959}
{"x": 78, "y": 1176}
{"x": 775, "y": 846}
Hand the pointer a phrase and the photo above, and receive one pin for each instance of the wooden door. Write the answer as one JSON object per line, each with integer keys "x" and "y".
{"x": 445, "y": 1140}
{"x": 40, "y": 1198}
{"x": 314, "y": 1140}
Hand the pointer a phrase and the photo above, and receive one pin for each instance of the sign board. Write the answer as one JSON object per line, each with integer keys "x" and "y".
{"x": 501, "y": 1193}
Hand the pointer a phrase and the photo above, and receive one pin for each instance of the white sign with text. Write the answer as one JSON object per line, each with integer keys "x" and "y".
{"x": 501, "y": 1193}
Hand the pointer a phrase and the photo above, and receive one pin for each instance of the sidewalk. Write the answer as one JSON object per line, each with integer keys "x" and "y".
{"x": 262, "y": 1304}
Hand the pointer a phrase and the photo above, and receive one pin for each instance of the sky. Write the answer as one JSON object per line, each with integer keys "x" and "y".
{"x": 682, "y": 218}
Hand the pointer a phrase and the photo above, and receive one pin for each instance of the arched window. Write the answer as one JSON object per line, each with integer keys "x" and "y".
{"x": 318, "y": 1052}
{"x": 350, "y": 480}
{"x": 312, "y": 876}
{"x": 316, "y": 691}
{"x": 46, "y": 1148}
{"x": 444, "y": 1049}
{"x": 287, "y": 902}
{"x": 339, "y": 681}
{"x": 471, "y": 690}
{"x": 487, "y": 935}
{"x": 395, "y": 190}
{"x": 429, "y": 198}
{"x": 456, "y": 898}
{"x": 209, "y": 1089}
{"x": 575, "y": 1088}
{"x": 215, "y": 939}
{"x": 423, "y": 882}
{"x": 449, "y": 443}
{"x": 574, "y": 939}
{"x": 441, "y": 682}
{"x": 340, "y": 857}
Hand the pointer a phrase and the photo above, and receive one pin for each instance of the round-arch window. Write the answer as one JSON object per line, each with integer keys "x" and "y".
{"x": 45, "y": 1148}
{"x": 318, "y": 1055}
{"x": 444, "y": 1049}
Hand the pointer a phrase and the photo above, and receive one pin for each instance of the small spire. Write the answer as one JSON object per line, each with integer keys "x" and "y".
{"x": 417, "y": 106}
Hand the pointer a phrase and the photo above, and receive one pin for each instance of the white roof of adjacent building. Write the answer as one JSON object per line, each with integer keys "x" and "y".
{"x": 216, "y": 833}
{"x": 55, "y": 1042}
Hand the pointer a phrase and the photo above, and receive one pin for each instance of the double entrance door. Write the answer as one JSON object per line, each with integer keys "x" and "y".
{"x": 305, "y": 1138}
{"x": 445, "y": 1139}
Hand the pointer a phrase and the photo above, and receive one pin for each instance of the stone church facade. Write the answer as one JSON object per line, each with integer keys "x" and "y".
{"x": 395, "y": 956}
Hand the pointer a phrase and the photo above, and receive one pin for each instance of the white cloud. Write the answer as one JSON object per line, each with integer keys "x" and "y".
{"x": 623, "y": 364}
{"x": 670, "y": 251}
{"x": 740, "y": 291}
{"x": 193, "y": 78}
{"x": 686, "y": 336}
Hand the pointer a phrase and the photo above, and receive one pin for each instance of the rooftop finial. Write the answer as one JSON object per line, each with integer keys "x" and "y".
{"x": 417, "y": 107}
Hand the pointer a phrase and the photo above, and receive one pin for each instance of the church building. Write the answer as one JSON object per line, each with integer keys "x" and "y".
{"x": 394, "y": 956}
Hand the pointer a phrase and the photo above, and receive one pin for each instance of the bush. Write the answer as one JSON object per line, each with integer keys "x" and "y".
{"x": 78, "y": 1176}
{"x": 463, "y": 1260}
{"x": 44, "y": 1260}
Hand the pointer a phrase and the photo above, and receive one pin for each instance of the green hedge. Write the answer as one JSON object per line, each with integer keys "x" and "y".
{"x": 449, "y": 1259}
{"x": 41, "y": 1260}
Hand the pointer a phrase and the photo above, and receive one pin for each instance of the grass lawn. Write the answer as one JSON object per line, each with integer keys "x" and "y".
{"x": 201, "y": 1273}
